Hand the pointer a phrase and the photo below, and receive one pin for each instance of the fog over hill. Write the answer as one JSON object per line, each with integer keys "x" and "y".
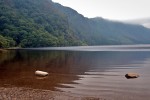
{"x": 144, "y": 21}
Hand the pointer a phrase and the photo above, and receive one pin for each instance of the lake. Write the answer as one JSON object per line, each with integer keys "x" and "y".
{"x": 97, "y": 71}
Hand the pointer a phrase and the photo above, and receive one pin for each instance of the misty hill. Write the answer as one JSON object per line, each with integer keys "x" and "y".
{"x": 144, "y": 21}
{"x": 39, "y": 23}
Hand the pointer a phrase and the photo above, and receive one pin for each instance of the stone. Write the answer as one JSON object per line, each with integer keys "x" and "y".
{"x": 41, "y": 73}
{"x": 131, "y": 75}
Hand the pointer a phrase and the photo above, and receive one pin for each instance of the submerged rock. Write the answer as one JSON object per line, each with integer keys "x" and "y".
{"x": 132, "y": 75}
{"x": 41, "y": 73}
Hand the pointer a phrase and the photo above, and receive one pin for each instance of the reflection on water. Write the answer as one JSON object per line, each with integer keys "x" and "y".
{"x": 18, "y": 70}
{"x": 95, "y": 73}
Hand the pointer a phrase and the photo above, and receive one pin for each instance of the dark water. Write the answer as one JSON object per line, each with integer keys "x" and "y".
{"x": 93, "y": 70}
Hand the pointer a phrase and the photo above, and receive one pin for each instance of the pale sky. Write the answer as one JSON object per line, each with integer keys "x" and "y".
{"x": 110, "y": 9}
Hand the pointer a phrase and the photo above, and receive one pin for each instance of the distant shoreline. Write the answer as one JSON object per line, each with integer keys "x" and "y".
{"x": 84, "y": 48}
{"x": 12, "y": 48}
{"x": 3, "y": 50}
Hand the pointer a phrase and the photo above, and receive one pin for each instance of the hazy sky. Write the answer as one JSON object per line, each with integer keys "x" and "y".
{"x": 110, "y": 9}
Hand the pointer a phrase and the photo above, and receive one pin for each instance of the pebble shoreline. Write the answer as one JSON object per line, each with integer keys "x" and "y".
{"x": 16, "y": 93}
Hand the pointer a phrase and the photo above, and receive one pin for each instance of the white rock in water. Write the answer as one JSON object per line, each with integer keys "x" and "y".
{"x": 41, "y": 73}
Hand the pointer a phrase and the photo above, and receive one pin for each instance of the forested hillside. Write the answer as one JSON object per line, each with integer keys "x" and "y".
{"x": 33, "y": 23}
{"x": 41, "y": 23}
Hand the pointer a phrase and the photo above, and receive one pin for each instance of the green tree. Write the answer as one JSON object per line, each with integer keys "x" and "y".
{"x": 6, "y": 42}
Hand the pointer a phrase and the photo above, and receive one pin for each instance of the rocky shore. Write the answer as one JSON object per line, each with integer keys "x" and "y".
{"x": 16, "y": 93}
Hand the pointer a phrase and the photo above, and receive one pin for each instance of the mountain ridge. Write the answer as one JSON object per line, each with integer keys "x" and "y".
{"x": 102, "y": 23}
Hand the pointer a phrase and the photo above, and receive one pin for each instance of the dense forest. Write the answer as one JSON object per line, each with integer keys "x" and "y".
{"x": 41, "y": 23}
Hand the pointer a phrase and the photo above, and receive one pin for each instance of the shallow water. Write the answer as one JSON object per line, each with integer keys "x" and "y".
{"x": 89, "y": 70}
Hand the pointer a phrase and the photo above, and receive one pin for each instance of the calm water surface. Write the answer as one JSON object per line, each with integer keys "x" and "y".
{"x": 93, "y": 70}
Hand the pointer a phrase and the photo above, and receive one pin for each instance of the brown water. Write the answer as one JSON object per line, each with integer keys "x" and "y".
{"x": 94, "y": 71}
